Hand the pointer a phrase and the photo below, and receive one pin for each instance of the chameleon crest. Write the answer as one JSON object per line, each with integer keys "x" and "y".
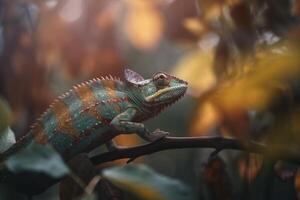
{"x": 93, "y": 113}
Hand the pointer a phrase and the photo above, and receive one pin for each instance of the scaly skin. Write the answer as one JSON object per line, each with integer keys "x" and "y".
{"x": 93, "y": 113}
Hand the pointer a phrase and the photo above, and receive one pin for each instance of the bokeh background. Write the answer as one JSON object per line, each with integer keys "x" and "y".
{"x": 240, "y": 57}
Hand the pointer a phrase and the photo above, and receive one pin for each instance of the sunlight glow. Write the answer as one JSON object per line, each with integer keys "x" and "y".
{"x": 51, "y": 3}
{"x": 72, "y": 10}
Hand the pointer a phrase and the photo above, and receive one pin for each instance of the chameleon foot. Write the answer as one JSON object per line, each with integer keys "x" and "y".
{"x": 157, "y": 135}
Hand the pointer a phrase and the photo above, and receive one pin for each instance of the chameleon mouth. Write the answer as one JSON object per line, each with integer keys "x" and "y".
{"x": 172, "y": 101}
{"x": 176, "y": 91}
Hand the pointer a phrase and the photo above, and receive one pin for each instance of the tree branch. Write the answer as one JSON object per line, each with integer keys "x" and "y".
{"x": 32, "y": 183}
{"x": 217, "y": 143}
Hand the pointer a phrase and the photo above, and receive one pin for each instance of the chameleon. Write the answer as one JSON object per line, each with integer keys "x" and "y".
{"x": 94, "y": 112}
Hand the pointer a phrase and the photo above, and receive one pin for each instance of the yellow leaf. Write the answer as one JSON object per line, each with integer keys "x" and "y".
{"x": 227, "y": 103}
{"x": 194, "y": 25}
{"x": 259, "y": 87}
{"x": 206, "y": 118}
{"x": 213, "y": 12}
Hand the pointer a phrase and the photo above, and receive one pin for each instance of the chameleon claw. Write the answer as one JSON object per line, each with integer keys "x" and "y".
{"x": 160, "y": 132}
{"x": 158, "y": 135}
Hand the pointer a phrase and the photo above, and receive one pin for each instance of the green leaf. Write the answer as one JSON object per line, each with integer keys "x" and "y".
{"x": 38, "y": 158}
{"x": 7, "y": 139}
{"x": 89, "y": 197}
{"x": 9, "y": 192}
{"x": 146, "y": 183}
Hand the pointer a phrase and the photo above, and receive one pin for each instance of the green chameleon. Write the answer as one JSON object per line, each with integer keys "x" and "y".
{"x": 94, "y": 112}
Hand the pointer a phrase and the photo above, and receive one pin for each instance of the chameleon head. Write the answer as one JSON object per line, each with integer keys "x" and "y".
{"x": 160, "y": 90}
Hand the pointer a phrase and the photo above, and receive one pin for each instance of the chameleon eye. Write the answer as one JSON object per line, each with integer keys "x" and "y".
{"x": 160, "y": 76}
{"x": 160, "y": 79}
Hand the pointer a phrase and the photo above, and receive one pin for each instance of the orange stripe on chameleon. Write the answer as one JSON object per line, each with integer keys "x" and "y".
{"x": 39, "y": 135}
{"x": 64, "y": 120}
{"x": 89, "y": 101}
{"x": 110, "y": 87}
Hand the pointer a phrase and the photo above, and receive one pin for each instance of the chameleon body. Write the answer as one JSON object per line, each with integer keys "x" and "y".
{"x": 94, "y": 112}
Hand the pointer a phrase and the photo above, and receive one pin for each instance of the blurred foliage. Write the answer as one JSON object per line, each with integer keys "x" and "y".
{"x": 92, "y": 185}
{"x": 89, "y": 197}
{"x": 216, "y": 179}
{"x": 5, "y": 115}
{"x": 145, "y": 183}
{"x": 7, "y": 139}
{"x": 240, "y": 57}
{"x": 39, "y": 159}
{"x": 249, "y": 166}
